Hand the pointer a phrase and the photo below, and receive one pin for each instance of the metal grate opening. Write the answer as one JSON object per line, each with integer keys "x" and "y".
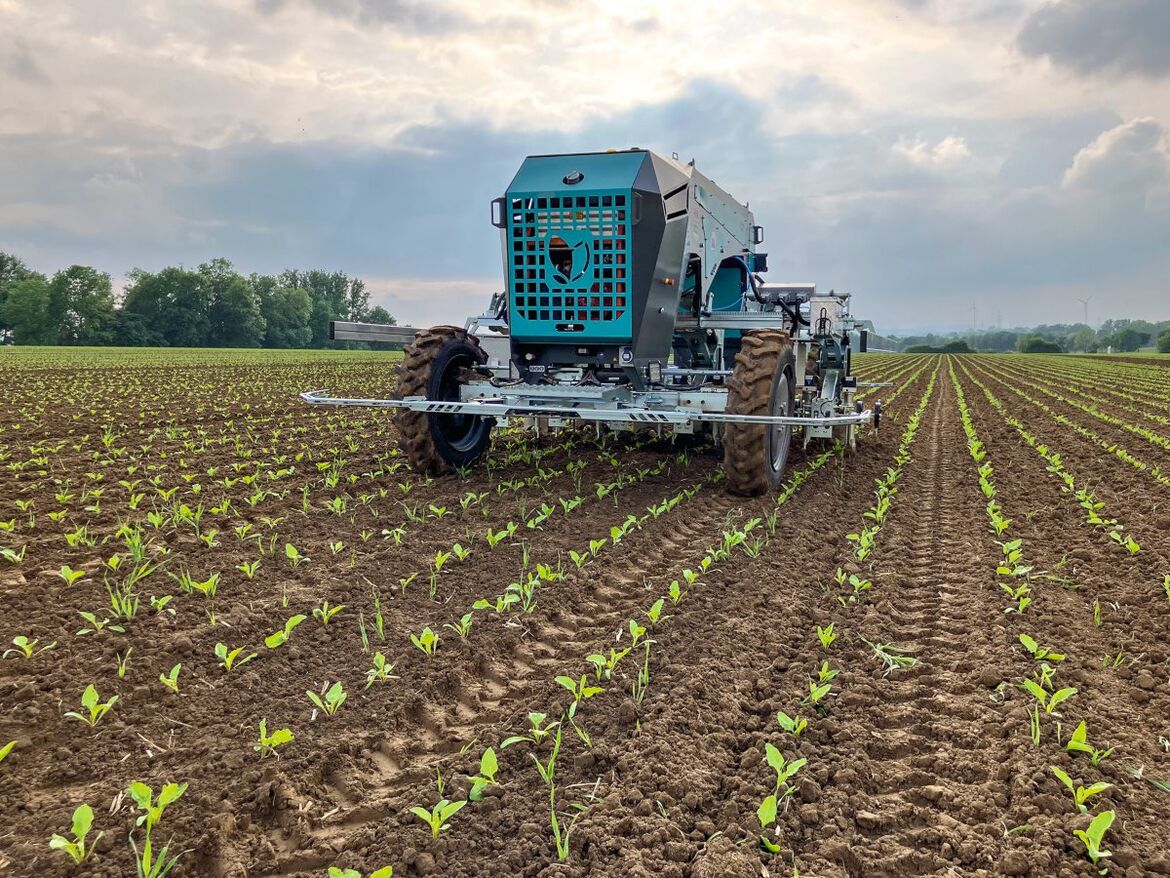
{"x": 569, "y": 259}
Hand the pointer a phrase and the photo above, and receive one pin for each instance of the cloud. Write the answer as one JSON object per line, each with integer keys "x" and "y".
{"x": 1134, "y": 156}
{"x": 1128, "y": 164}
{"x": 419, "y": 16}
{"x": 950, "y": 152}
{"x": 1095, "y": 36}
{"x": 18, "y": 61}
{"x": 900, "y": 148}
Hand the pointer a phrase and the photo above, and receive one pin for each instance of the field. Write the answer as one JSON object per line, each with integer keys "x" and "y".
{"x": 588, "y": 642}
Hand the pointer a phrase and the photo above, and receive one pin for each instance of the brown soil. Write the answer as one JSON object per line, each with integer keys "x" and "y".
{"x": 926, "y": 771}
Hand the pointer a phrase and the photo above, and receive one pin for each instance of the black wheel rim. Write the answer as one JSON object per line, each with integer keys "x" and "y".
{"x": 462, "y": 432}
{"x": 779, "y": 436}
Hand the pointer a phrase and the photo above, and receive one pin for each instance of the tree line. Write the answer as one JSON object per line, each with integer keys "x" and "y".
{"x": 1119, "y": 336}
{"x": 210, "y": 306}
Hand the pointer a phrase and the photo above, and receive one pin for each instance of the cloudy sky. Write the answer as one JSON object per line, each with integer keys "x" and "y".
{"x": 930, "y": 155}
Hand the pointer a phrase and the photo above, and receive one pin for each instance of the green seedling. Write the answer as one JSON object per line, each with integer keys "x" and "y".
{"x": 562, "y": 830}
{"x": 76, "y": 848}
{"x": 97, "y": 626}
{"x": 381, "y": 671}
{"x": 891, "y": 656}
{"x": 654, "y": 614}
{"x": 6, "y": 749}
{"x": 93, "y": 705}
{"x": 463, "y": 626}
{"x": 280, "y": 638}
{"x": 148, "y": 864}
{"x": 1047, "y": 701}
{"x": 826, "y": 674}
{"x": 171, "y": 679}
{"x": 538, "y": 730}
{"x": 294, "y": 556}
{"x": 793, "y": 725}
{"x": 816, "y": 693}
{"x": 500, "y": 604}
{"x": 580, "y": 689}
{"x": 438, "y": 816}
{"x": 547, "y": 769}
{"x": 1040, "y": 653}
{"x": 426, "y": 640}
{"x": 603, "y": 666}
{"x": 326, "y": 612}
{"x": 70, "y": 575}
{"x": 384, "y": 872}
{"x": 333, "y": 698}
{"x": 488, "y": 766}
{"x": 675, "y": 593}
{"x": 249, "y": 568}
{"x": 766, "y": 814}
{"x": 1125, "y": 541}
{"x": 121, "y": 658}
{"x": 266, "y": 744}
{"x": 826, "y": 635}
{"x": 785, "y": 770}
{"x": 1095, "y": 835}
{"x": 22, "y": 646}
{"x": 1078, "y": 743}
{"x": 230, "y": 658}
{"x": 1080, "y": 794}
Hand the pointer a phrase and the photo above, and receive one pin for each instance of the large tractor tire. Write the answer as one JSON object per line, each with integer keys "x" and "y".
{"x": 763, "y": 382}
{"x": 434, "y": 366}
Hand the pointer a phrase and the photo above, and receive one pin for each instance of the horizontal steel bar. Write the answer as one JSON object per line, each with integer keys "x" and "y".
{"x": 632, "y": 414}
{"x": 344, "y": 330}
{"x": 733, "y": 320}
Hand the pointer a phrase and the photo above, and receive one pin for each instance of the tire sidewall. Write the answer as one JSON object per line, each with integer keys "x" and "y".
{"x": 785, "y": 368}
{"x": 454, "y": 353}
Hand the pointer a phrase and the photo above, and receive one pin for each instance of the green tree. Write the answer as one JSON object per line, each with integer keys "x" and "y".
{"x": 1164, "y": 342}
{"x": 286, "y": 312}
{"x": 26, "y": 311}
{"x": 234, "y": 318}
{"x": 1035, "y": 344}
{"x": 1130, "y": 339}
{"x": 12, "y": 269}
{"x": 1084, "y": 339}
{"x": 335, "y": 297}
{"x": 132, "y": 330}
{"x": 174, "y": 304}
{"x": 378, "y": 314}
{"x": 81, "y": 305}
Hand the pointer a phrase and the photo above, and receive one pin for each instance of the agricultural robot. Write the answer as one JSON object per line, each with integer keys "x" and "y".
{"x": 633, "y": 299}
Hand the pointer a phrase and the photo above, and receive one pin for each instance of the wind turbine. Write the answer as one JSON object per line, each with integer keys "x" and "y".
{"x": 1085, "y": 302}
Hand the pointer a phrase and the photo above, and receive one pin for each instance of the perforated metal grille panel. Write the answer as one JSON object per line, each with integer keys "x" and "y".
{"x": 569, "y": 265}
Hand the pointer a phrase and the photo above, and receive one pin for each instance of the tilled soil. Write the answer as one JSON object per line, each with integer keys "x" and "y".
{"x": 926, "y": 769}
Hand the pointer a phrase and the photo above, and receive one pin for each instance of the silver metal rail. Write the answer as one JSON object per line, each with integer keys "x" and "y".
{"x": 343, "y": 330}
{"x": 500, "y": 408}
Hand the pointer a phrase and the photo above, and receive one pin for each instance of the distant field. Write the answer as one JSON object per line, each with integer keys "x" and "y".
{"x": 943, "y": 609}
{"x": 82, "y": 357}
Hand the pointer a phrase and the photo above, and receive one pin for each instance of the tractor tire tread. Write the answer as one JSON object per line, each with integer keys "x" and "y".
{"x": 749, "y": 392}
{"x": 414, "y": 378}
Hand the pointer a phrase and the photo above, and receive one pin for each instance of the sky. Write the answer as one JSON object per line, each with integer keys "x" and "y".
{"x": 950, "y": 162}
